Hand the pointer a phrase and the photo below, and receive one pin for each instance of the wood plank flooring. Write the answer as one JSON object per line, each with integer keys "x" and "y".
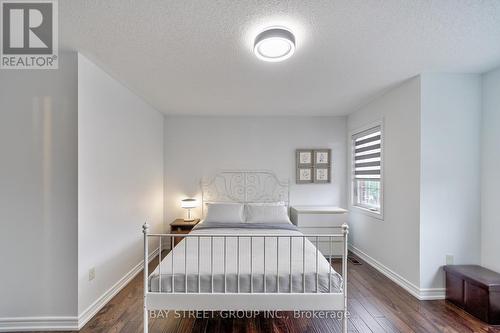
{"x": 376, "y": 305}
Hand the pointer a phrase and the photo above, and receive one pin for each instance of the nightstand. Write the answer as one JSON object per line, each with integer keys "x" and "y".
{"x": 179, "y": 226}
{"x": 320, "y": 220}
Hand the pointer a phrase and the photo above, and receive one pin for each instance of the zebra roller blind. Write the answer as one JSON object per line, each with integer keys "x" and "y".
{"x": 367, "y": 154}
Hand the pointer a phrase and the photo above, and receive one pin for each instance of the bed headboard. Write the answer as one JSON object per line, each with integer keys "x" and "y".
{"x": 258, "y": 186}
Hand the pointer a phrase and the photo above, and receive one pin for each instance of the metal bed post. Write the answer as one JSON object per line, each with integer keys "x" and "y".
{"x": 345, "y": 232}
{"x": 145, "y": 231}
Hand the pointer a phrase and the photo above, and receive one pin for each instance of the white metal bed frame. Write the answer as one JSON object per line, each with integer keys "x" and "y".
{"x": 246, "y": 187}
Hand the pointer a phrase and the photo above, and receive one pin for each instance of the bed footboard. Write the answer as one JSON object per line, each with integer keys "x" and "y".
{"x": 269, "y": 297}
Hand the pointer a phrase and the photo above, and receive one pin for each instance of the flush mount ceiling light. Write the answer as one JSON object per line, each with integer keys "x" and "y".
{"x": 274, "y": 44}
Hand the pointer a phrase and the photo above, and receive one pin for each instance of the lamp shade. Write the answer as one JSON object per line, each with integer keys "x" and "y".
{"x": 188, "y": 203}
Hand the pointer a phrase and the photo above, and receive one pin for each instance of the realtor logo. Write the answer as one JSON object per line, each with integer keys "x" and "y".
{"x": 29, "y": 34}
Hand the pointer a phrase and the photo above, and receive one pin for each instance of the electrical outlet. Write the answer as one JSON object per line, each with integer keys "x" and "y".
{"x": 449, "y": 259}
{"x": 91, "y": 273}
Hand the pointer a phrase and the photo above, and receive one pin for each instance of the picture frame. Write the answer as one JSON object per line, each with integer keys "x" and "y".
{"x": 305, "y": 175}
{"x": 322, "y": 175}
{"x": 313, "y": 166}
{"x": 322, "y": 157}
{"x": 304, "y": 158}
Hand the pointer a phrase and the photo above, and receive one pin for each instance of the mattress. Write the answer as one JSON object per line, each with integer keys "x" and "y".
{"x": 260, "y": 269}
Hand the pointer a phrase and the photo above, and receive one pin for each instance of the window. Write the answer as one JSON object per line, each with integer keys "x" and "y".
{"x": 367, "y": 170}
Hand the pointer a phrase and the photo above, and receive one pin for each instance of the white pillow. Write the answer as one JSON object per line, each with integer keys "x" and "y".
{"x": 279, "y": 203}
{"x": 224, "y": 213}
{"x": 266, "y": 213}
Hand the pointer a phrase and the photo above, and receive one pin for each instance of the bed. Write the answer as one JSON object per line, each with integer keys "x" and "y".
{"x": 226, "y": 266}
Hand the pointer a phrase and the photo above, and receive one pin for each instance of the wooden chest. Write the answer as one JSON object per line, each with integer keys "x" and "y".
{"x": 476, "y": 290}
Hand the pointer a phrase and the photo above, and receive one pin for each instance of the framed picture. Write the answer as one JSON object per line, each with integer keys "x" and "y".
{"x": 322, "y": 157}
{"x": 313, "y": 166}
{"x": 304, "y": 158}
{"x": 304, "y": 175}
{"x": 321, "y": 175}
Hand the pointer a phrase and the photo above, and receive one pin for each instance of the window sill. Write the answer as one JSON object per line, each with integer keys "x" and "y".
{"x": 368, "y": 212}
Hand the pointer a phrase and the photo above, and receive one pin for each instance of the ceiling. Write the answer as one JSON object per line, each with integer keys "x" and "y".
{"x": 195, "y": 57}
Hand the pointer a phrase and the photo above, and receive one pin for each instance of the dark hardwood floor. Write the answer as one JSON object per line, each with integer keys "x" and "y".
{"x": 376, "y": 304}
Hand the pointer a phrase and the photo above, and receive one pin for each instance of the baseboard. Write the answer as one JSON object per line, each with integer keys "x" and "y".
{"x": 421, "y": 294}
{"x": 69, "y": 323}
{"x": 95, "y": 307}
{"x": 430, "y": 294}
{"x": 38, "y": 324}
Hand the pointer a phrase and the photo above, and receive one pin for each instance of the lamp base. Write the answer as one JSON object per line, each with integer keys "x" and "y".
{"x": 189, "y": 218}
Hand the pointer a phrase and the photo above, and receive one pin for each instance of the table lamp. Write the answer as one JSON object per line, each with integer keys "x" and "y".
{"x": 188, "y": 204}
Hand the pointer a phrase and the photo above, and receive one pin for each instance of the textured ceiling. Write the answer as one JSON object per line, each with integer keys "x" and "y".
{"x": 195, "y": 57}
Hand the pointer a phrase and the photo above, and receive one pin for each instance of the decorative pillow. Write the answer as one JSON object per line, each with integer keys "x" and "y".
{"x": 267, "y": 213}
{"x": 224, "y": 213}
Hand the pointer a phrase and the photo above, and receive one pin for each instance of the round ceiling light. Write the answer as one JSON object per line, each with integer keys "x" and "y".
{"x": 274, "y": 44}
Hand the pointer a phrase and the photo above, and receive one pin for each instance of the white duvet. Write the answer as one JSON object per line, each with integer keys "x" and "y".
{"x": 186, "y": 263}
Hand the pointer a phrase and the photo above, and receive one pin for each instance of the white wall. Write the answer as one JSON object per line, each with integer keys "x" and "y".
{"x": 120, "y": 179}
{"x": 38, "y": 191}
{"x": 490, "y": 194}
{"x": 199, "y": 146}
{"x": 450, "y": 173}
{"x": 393, "y": 241}
{"x": 431, "y": 180}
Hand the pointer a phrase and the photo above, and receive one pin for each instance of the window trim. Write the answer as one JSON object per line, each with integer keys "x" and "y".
{"x": 380, "y": 214}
